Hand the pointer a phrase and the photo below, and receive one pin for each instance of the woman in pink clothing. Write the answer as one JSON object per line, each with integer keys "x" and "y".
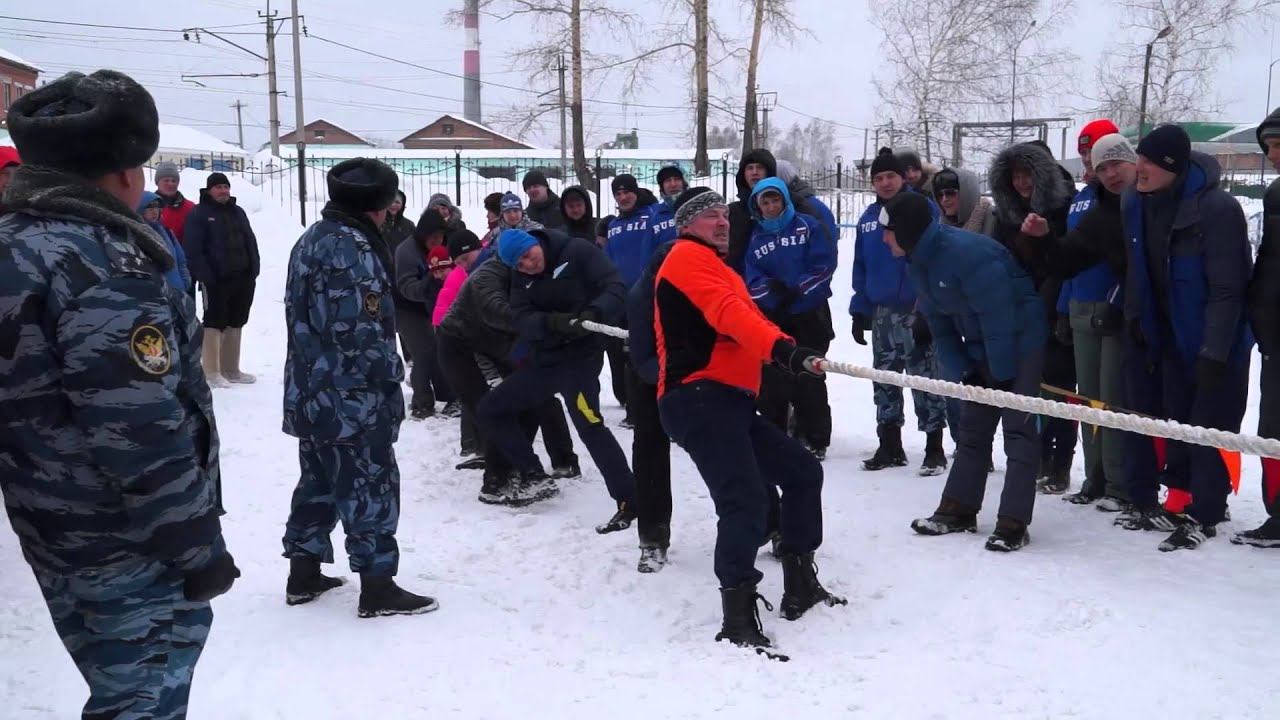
{"x": 464, "y": 246}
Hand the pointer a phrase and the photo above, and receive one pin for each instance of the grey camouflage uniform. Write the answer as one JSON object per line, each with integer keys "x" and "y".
{"x": 343, "y": 398}
{"x": 894, "y": 348}
{"x": 110, "y": 454}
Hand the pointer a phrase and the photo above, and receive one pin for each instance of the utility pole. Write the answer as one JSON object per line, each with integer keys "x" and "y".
{"x": 564, "y": 141}
{"x": 239, "y": 122}
{"x": 299, "y": 135}
{"x": 273, "y": 93}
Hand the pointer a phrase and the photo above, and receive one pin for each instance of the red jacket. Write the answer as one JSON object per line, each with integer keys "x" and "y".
{"x": 707, "y": 327}
{"x": 174, "y": 212}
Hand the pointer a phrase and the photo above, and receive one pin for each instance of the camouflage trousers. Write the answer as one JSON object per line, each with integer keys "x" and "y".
{"x": 894, "y": 348}
{"x": 132, "y": 635}
{"x": 358, "y": 483}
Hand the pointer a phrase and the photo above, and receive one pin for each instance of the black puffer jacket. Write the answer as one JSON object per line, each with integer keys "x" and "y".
{"x": 397, "y": 228}
{"x": 585, "y": 227}
{"x": 1050, "y": 199}
{"x": 481, "y": 313}
{"x": 740, "y": 209}
{"x": 578, "y": 276}
{"x": 1098, "y": 237}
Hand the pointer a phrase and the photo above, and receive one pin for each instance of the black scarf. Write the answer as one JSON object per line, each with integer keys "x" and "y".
{"x": 55, "y": 193}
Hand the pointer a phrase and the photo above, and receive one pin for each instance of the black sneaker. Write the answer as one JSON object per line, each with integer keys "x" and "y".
{"x": 620, "y": 521}
{"x": 422, "y": 412}
{"x": 1010, "y": 535}
{"x": 492, "y": 492}
{"x": 475, "y": 463}
{"x": 1266, "y": 535}
{"x": 1112, "y": 504}
{"x": 306, "y": 583}
{"x": 566, "y": 472}
{"x": 652, "y": 559}
{"x": 1155, "y": 519}
{"x": 451, "y": 409}
{"x": 1189, "y": 534}
{"x": 935, "y": 463}
{"x": 530, "y": 488}
{"x": 380, "y": 596}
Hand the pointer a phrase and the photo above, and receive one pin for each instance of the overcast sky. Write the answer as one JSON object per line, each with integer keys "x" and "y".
{"x": 828, "y": 75}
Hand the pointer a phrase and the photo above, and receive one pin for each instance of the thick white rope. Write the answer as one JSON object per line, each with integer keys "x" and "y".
{"x": 1249, "y": 444}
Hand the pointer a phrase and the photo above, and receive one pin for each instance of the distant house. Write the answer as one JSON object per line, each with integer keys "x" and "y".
{"x": 17, "y": 78}
{"x": 323, "y": 132}
{"x": 449, "y": 132}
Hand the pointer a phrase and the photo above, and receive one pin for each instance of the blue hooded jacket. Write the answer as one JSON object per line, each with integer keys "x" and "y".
{"x": 790, "y": 259}
{"x": 632, "y": 239}
{"x": 178, "y": 277}
{"x": 1208, "y": 261}
{"x": 663, "y": 222}
{"x": 879, "y": 278}
{"x": 982, "y": 307}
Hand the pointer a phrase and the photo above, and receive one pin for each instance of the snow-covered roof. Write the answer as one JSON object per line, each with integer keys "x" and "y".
{"x": 183, "y": 138}
{"x": 6, "y": 55}
{"x": 464, "y": 121}
{"x": 549, "y": 154}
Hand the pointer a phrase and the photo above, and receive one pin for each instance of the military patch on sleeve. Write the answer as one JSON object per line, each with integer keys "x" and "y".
{"x": 150, "y": 350}
{"x": 373, "y": 304}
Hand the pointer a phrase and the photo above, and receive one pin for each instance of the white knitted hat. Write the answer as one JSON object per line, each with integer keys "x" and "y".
{"x": 1113, "y": 147}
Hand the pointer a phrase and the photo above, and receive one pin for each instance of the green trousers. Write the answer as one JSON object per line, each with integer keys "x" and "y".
{"x": 1099, "y": 376}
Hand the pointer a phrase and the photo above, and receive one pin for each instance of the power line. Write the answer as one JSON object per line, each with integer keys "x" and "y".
{"x": 815, "y": 117}
{"x": 122, "y": 27}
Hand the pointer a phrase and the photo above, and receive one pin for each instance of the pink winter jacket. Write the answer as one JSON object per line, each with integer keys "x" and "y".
{"x": 452, "y": 284}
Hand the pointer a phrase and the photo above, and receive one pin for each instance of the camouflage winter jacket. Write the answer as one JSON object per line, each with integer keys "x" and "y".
{"x": 342, "y": 373}
{"x": 108, "y": 446}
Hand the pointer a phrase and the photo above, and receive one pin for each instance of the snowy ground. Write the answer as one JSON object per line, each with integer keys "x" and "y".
{"x": 540, "y": 617}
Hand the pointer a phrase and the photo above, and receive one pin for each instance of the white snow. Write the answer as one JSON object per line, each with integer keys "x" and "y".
{"x": 541, "y": 617}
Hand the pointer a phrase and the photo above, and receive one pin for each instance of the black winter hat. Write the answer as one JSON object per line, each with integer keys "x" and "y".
{"x": 625, "y": 182}
{"x": 1168, "y": 146}
{"x": 462, "y": 242}
{"x": 89, "y": 125}
{"x": 1269, "y": 128}
{"x": 945, "y": 179}
{"x": 363, "y": 185}
{"x": 493, "y": 203}
{"x": 910, "y": 160}
{"x": 216, "y": 179}
{"x": 534, "y": 177}
{"x": 886, "y": 161}
{"x": 669, "y": 171}
{"x": 430, "y": 222}
{"x": 908, "y": 216}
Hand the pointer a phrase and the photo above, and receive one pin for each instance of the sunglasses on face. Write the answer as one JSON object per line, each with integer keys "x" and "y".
{"x": 947, "y": 193}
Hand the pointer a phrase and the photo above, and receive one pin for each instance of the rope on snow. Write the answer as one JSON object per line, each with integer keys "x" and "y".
{"x": 1192, "y": 434}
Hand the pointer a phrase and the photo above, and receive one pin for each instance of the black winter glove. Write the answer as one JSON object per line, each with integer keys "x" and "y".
{"x": 212, "y": 580}
{"x": 861, "y": 324}
{"x": 566, "y": 324}
{"x": 920, "y": 331}
{"x": 1062, "y": 331}
{"x": 797, "y": 360}
{"x": 1209, "y": 373}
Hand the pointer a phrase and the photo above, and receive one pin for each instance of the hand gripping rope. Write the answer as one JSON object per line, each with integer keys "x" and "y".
{"x": 1218, "y": 439}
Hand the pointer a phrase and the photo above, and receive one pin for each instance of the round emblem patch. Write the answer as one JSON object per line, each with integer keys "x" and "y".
{"x": 372, "y": 304}
{"x": 150, "y": 350}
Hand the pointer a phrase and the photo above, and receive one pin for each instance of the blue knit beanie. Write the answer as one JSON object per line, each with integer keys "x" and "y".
{"x": 513, "y": 244}
{"x": 511, "y": 201}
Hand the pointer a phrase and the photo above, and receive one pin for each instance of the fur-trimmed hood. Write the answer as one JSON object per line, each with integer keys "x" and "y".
{"x": 1053, "y": 191}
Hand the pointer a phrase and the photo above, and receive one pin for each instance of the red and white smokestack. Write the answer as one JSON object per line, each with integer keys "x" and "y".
{"x": 471, "y": 61}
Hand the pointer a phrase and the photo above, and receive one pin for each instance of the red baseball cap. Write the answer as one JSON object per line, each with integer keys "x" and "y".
{"x": 9, "y": 156}
{"x": 1090, "y": 133}
{"x": 438, "y": 258}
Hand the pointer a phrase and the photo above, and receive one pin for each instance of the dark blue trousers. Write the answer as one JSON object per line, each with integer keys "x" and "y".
{"x": 740, "y": 455}
{"x": 578, "y": 381}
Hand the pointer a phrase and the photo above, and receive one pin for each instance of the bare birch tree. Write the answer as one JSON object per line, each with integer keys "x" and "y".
{"x": 778, "y": 16}
{"x": 1202, "y": 36}
{"x": 953, "y": 60}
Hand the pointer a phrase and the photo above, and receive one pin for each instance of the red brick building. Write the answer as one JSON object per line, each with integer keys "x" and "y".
{"x": 323, "y": 132}
{"x": 449, "y": 132}
{"x": 17, "y": 78}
